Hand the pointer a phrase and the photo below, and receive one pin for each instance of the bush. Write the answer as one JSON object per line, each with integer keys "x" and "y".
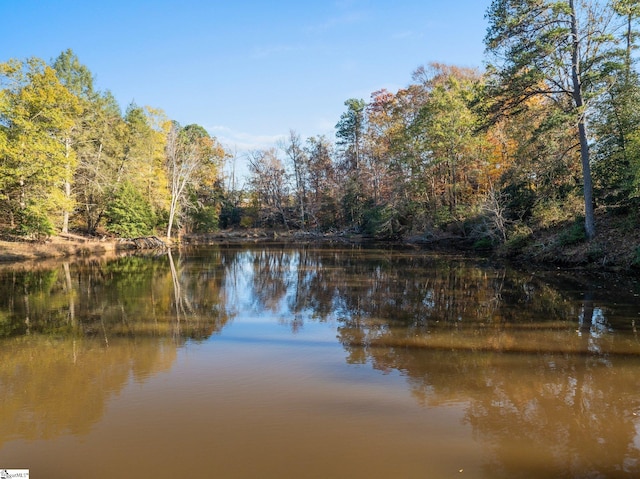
{"x": 483, "y": 244}
{"x": 574, "y": 234}
{"x": 34, "y": 223}
{"x": 230, "y": 215}
{"x": 553, "y": 212}
{"x": 130, "y": 215}
{"x": 442, "y": 217}
{"x": 381, "y": 222}
{"x": 518, "y": 237}
{"x": 205, "y": 220}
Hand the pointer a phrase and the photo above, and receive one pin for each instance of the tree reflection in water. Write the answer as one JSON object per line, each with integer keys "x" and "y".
{"x": 75, "y": 336}
{"x": 544, "y": 364}
{"x": 550, "y": 385}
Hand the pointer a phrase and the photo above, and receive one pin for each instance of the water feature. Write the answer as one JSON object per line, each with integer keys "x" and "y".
{"x": 273, "y": 361}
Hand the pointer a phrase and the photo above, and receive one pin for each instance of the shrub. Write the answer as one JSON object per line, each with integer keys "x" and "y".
{"x": 205, "y": 220}
{"x": 442, "y": 217}
{"x": 381, "y": 222}
{"x": 35, "y": 223}
{"x": 554, "y": 212}
{"x": 129, "y": 214}
{"x": 574, "y": 234}
{"x": 518, "y": 237}
{"x": 230, "y": 215}
{"x": 483, "y": 244}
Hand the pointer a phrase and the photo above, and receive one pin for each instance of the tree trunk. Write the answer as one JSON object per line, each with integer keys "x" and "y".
{"x": 172, "y": 214}
{"x": 589, "y": 217}
{"x": 67, "y": 185}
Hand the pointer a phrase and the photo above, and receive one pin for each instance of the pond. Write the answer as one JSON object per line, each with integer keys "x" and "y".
{"x": 315, "y": 362}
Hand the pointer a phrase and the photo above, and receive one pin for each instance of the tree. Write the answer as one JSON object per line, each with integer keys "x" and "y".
{"x": 554, "y": 49}
{"x": 448, "y": 127}
{"x": 617, "y": 119}
{"x": 78, "y": 80}
{"x": 36, "y": 117}
{"x": 300, "y": 162}
{"x": 182, "y": 163}
{"x": 100, "y": 151}
{"x": 382, "y": 127}
{"x": 270, "y": 183}
{"x": 191, "y": 158}
{"x": 322, "y": 183}
{"x": 206, "y": 195}
{"x": 349, "y": 132}
{"x": 129, "y": 213}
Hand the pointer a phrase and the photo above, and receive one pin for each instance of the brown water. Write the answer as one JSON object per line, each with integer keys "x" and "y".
{"x": 315, "y": 363}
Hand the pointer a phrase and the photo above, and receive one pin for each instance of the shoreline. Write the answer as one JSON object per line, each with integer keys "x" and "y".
{"x": 77, "y": 247}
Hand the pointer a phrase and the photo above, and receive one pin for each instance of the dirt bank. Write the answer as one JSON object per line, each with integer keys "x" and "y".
{"x": 54, "y": 247}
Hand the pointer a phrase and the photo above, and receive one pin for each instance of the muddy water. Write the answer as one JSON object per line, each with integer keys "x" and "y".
{"x": 278, "y": 362}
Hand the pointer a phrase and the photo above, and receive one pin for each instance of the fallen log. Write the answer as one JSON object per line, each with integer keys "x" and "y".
{"x": 146, "y": 242}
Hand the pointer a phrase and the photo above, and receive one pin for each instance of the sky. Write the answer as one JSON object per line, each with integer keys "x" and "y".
{"x": 248, "y": 71}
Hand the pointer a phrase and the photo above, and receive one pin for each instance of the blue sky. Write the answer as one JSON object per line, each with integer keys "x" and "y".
{"x": 248, "y": 71}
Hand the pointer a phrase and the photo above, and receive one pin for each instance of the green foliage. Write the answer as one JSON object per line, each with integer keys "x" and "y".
{"x": 483, "y": 244}
{"x": 37, "y": 114}
{"x": 205, "y": 219}
{"x": 33, "y": 222}
{"x": 381, "y": 221}
{"x": 350, "y": 129}
{"x": 247, "y": 221}
{"x": 442, "y": 217}
{"x": 130, "y": 215}
{"x": 521, "y": 198}
{"x": 552, "y": 212}
{"x": 518, "y": 237}
{"x": 352, "y": 202}
{"x": 73, "y": 75}
{"x": 574, "y": 234}
{"x": 327, "y": 216}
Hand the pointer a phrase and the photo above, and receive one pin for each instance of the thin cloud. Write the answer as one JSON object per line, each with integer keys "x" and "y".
{"x": 241, "y": 141}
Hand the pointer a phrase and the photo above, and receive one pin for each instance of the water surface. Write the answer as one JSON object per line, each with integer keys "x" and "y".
{"x": 317, "y": 362}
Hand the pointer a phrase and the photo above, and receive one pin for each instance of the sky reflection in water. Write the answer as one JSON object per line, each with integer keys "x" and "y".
{"x": 279, "y": 362}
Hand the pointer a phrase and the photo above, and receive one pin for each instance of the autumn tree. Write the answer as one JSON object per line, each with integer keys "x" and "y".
{"x": 136, "y": 165}
{"x": 206, "y": 189}
{"x": 448, "y": 127}
{"x": 322, "y": 183}
{"x": 193, "y": 160}
{"x": 554, "y": 49}
{"x": 37, "y": 114}
{"x": 79, "y": 81}
{"x": 382, "y": 128}
{"x": 100, "y": 150}
{"x": 269, "y": 180}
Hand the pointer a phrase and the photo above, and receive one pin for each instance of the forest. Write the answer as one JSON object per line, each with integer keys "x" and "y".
{"x": 538, "y": 151}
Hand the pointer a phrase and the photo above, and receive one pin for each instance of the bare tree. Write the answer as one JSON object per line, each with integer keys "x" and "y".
{"x": 183, "y": 162}
{"x": 298, "y": 157}
{"x": 269, "y": 181}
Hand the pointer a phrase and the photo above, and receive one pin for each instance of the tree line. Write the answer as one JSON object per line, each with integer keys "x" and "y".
{"x": 546, "y": 135}
{"x": 69, "y": 158}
